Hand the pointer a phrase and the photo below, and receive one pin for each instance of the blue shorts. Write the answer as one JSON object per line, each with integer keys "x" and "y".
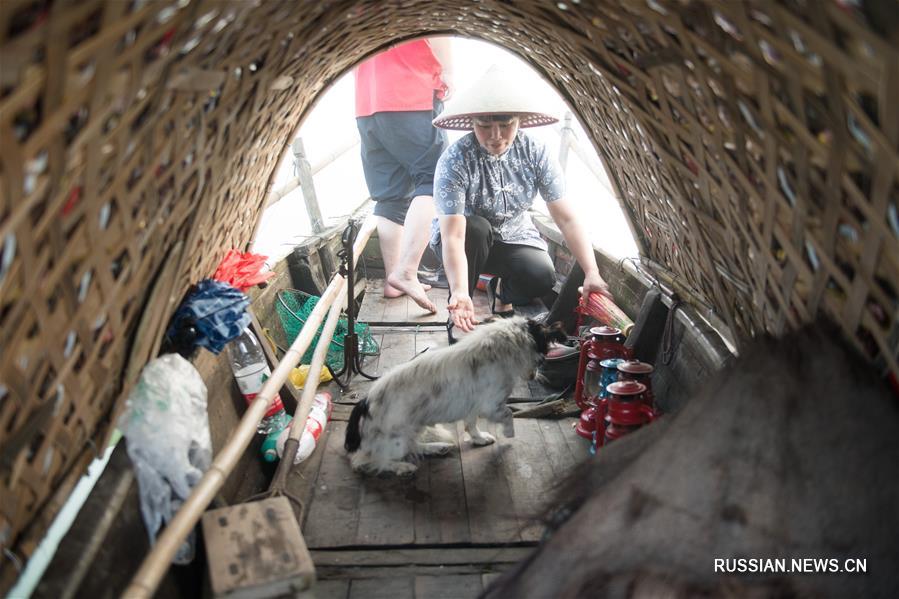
{"x": 399, "y": 156}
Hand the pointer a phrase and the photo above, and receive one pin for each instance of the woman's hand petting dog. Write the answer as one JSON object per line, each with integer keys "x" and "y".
{"x": 461, "y": 310}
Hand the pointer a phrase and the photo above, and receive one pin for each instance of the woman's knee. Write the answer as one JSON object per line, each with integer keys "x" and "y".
{"x": 528, "y": 279}
{"x": 478, "y": 232}
{"x": 539, "y": 273}
{"x": 545, "y": 279}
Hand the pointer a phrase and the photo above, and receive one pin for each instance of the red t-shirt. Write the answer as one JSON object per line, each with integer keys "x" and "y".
{"x": 400, "y": 79}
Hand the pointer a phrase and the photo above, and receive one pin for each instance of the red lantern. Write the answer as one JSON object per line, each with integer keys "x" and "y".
{"x": 635, "y": 370}
{"x": 586, "y": 344}
{"x": 587, "y": 423}
{"x": 609, "y": 343}
{"x": 623, "y": 412}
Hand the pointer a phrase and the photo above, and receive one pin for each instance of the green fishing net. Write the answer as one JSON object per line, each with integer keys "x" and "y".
{"x": 294, "y": 307}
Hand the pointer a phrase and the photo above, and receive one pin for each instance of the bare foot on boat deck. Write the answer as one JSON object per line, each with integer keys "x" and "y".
{"x": 397, "y": 286}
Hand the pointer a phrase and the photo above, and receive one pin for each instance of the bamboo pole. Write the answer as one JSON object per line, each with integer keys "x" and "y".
{"x": 315, "y": 370}
{"x": 294, "y": 183}
{"x": 304, "y": 174}
{"x": 566, "y": 139}
{"x": 157, "y": 562}
{"x": 569, "y": 141}
{"x": 298, "y": 425}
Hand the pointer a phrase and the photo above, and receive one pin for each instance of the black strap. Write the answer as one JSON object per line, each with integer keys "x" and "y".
{"x": 668, "y": 334}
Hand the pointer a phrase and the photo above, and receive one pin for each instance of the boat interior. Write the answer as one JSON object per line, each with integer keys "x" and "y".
{"x": 446, "y": 531}
{"x": 753, "y": 148}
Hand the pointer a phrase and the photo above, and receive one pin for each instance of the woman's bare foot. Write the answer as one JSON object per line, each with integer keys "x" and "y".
{"x": 397, "y": 286}
{"x": 391, "y": 292}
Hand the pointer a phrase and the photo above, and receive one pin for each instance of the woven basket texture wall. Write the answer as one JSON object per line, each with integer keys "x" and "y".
{"x": 753, "y": 145}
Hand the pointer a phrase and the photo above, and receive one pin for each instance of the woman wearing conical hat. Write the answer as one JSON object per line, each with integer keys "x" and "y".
{"x": 484, "y": 186}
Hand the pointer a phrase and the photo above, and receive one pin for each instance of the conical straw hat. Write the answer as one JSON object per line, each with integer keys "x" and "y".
{"x": 496, "y": 92}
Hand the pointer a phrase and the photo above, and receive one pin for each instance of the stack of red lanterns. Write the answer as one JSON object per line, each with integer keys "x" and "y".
{"x": 622, "y": 406}
{"x": 597, "y": 344}
{"x": 628, "y": 405}
{"x": 610, "y": 408}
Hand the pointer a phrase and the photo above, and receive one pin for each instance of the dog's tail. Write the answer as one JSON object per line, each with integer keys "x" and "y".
{"x": 353, "y": 432}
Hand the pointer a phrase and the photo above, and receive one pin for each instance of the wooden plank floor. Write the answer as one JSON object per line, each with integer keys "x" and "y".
{"x": 456, "y": 519}
{"x": 457, "y": 522}
{"x": 378, "y": 310}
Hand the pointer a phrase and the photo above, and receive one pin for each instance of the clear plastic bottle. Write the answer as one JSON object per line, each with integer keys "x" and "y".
{"x": 251, "y": 370}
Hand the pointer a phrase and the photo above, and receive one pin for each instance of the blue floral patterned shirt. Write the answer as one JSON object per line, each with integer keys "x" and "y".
{"x": 471, "y": 181}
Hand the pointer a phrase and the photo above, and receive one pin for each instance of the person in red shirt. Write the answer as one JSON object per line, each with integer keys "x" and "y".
{"x": 398, "y": 94}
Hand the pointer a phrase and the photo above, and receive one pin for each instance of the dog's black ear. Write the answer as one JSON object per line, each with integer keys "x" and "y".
{"x": 353, "y": 432}
{"x": 543, "y": 335}
{"x": 556, "y": 332}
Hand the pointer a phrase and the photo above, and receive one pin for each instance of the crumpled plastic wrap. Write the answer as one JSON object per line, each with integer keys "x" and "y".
{"x": 167, "y": 429}
{"x": 299, "y": 375}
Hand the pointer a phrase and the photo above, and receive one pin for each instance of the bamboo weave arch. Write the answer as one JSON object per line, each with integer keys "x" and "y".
{"x": 754, "y": 144}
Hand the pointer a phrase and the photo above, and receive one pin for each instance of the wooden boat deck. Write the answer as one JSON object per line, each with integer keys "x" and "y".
{"x": 460, "y": 520}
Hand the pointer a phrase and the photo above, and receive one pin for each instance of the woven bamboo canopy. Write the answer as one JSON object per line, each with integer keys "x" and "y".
{"x": 754, "y": 147}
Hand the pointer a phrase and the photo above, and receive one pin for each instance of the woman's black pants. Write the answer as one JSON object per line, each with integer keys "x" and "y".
{"x": 527, "y": 272}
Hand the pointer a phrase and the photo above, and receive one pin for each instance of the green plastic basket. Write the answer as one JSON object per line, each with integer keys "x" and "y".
{"x": 294, "y": 307}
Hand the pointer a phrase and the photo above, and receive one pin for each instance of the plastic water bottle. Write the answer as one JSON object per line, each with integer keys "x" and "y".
{"x": 251, "y": 371}
{"x": 315, "y": 424}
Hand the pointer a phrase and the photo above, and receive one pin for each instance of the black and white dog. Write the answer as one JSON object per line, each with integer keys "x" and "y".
{"x": 461, "y": 382}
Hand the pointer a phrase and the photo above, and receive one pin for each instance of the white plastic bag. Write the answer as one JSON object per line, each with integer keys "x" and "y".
{"x": 167, "y": 429}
